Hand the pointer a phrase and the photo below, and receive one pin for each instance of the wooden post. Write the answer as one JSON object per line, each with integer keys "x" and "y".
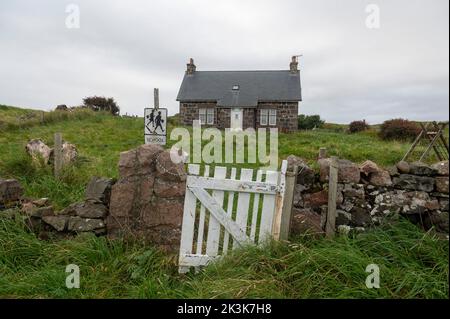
{"x": 332, "y": 194}
{"x": 156, "y": 98}
{"x": 279, "y": 202}
{"x": 322, "y": 152}
{"x": 57, "y": 154}
{"x": 42, "y": 117}
{"x": 286, "y": 215}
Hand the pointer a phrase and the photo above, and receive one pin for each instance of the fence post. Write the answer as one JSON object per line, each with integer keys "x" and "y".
{"x": 42, "y": 117}
{"x": 330, "y": 226}
{"x": 286, "y": 215}
{"x": 279, "y": 202}
{"x": 57, "y": 154}
{"x": 322, "y": 152}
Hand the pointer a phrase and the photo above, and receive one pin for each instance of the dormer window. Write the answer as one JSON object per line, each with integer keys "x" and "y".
{"x": 235, "y": 87}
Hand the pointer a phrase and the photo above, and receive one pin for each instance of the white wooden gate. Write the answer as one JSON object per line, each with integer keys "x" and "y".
{"x": 222, "y": 212}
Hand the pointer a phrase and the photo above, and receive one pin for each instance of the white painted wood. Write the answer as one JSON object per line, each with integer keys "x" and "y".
{"x": 195, "y": 260}
{"x": 243, "y": 202}
{"x": 268, "y": 210}
{"x": 217, "y": 211}
{"x": 255, "y": 209}
{"x": 232, "y": 185}
{"x": 279, "y": 201}
{"x": 201, "y": 222}
{"x": 212, "y": 242}
{"x": 187, "y": 233}
{"x": 226, "y": 236}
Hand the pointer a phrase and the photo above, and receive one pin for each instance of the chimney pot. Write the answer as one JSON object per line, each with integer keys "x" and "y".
{"x": 293, "y": 66}
{"x": 190, "y": 67}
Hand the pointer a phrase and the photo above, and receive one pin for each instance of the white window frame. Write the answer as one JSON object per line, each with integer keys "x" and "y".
{"x": 272, "y": 117}
{"x": 202, "y": 115}
{"x": 264, "y": 113}
{"x": 210, "y": 116}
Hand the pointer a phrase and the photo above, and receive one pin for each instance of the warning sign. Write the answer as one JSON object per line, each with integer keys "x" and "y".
{"x": 155, "y": 126}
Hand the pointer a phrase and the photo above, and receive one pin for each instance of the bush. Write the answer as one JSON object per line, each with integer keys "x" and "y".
{"x": 100, "y": 103}
{"x": 308, "y": 122}
{"x": 358, "y": 126}
{"x": 399, "y": 129}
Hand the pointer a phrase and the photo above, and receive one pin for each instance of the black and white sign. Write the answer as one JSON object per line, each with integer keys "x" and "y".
{"x": 155, "y": 126}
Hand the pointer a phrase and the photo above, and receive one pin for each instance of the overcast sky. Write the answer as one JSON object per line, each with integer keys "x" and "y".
{"x": 124, "y": 49}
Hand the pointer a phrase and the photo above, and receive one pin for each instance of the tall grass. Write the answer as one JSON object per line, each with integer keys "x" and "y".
{"x": 413, "y": 264}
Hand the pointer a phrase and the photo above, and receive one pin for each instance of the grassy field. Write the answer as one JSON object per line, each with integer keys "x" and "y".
{"x": 413, "y": 264}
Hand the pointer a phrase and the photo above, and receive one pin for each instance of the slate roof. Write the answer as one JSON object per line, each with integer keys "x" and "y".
{"x": 254, "y": 86}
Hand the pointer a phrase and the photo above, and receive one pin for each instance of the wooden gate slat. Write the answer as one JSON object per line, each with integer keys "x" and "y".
{"x": 268, "y": 208}
{"x": 201, "y": 222}
{"x": 212, "y": 242}
{"x": 255, "y": 209}
{"x": 243, "y": 202}
{"x": 226, "y": 236}
{"x": 187, "y": 233}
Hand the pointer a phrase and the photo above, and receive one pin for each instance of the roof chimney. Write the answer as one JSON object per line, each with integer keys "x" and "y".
{"x": 190, "y": 67}
{"x": 293, "y": 66}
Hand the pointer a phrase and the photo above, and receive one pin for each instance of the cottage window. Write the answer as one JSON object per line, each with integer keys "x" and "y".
{"x": 206, "y": 116}
{"x": 268, "y": 117}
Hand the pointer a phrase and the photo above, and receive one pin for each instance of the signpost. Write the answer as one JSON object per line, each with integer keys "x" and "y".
{"x": 155, "y": 121}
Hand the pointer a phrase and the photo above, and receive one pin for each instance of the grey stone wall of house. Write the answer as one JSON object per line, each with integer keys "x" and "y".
{"x": 287, "y": 113}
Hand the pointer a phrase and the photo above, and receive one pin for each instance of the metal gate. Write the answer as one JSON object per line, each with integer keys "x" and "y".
{"x": 223, "y": 212}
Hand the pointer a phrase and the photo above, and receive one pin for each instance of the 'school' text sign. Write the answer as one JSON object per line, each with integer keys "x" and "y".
{"x": 155, "y": 126}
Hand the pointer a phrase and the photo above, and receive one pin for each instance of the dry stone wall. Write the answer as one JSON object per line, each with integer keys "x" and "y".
{"x": 368, "y": 194}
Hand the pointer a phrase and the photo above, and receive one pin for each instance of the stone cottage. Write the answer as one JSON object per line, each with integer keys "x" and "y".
{"x": 241, "y": 99}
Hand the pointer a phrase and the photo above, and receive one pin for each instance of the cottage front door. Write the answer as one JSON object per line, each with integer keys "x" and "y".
{"x": 236, "y": 118}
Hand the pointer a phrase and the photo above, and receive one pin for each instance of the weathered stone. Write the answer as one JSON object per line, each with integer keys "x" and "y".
{"x": 393, "y": 171}
{"x": 353, "y": 190}
{"x": 442, "y": 184}
{"x": 443, "y": 204}
{"x": 305, "y": 221}
{"x": 41, "y": 202}
{"x": 40, "y": 212}
{"x": 99, "y": 189}
{"x": 78, "y": 224}
{"x": 59, "y": 223}
{"x": 168, "y": 170}
{"x": 380, "y": 178}
{"x": 305, "y": 175}
{"x": 343, "y": 217}
{"x": 369, "y": 167}
{"x": 441, "y": 168}
{"x": 360, "y": 217}
{"x": 164, "y": 188}
{"x": 422, "y": 169}
{"x": 405, "y": 202}
{"x": 140, "y": 161}
{"x": 92, "y": 209}
{"x": 343, "y": 229}
{"x": 10, "y": 191}
{"x": 348, "y": 172}
{"x": 403, "y": 167}
{"x": 38, "y": 149}
{"x": 163, "y": 212}
{"x": 69, "y": 153}
{"x": 61, "y": 107}
{"x": 318, "y": 199}
{"x": 413, "y": 182}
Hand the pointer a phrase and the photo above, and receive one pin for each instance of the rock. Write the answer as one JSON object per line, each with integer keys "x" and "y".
{"x": 442, "y": 184}
{"x": 353, "y": 190}
{"x": 369, "y": 167}
{"x": 59, "y": 223}
{"x": 422, "y": 169}
{"x": 69, "y": 153}
{"x": 41, "y": 212}
{"x": 438, "y": 220}
{"x": 166, "y": 189}
{"x": 37, "y": 149}
{"x": 305, "y": 221}
{"x": 441, "y": 168}
{"x": 10, "y": 191}
{"x": 168, "y": 170}
{"x": 318, "y": 199}
{"x": 380, "y": 178}
{"x": 41, "y": 202}
{"x": 408, "y": 203}
{"x": 413, "y": 182}
{"x": 163, "y": 212}
{"x": 360, "y": 217}
{"x": 343, "y": 229}
{"x": 305, "y": 175}
{"x": 348, "y": 172}
{"x": 393, "y": 171}
{"x": 99, "y": 189}
{"x": 403, "y": 167}
{"x": 343, "y": 217}
{"x": 140, "y": 161}
{"x": 91, "y": 209}
{"x": 443, "y": 204}
{"x": 78, "y": 224}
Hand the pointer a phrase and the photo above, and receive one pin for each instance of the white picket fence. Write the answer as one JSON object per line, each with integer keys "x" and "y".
{"x": 222, "y": 212}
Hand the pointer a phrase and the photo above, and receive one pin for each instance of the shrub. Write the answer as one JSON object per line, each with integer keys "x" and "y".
{"x": 400, "y": 129}
{"x": 358, "y": 126}
{"x": 100, "y": 103}
{"x": 308, "y": 122}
